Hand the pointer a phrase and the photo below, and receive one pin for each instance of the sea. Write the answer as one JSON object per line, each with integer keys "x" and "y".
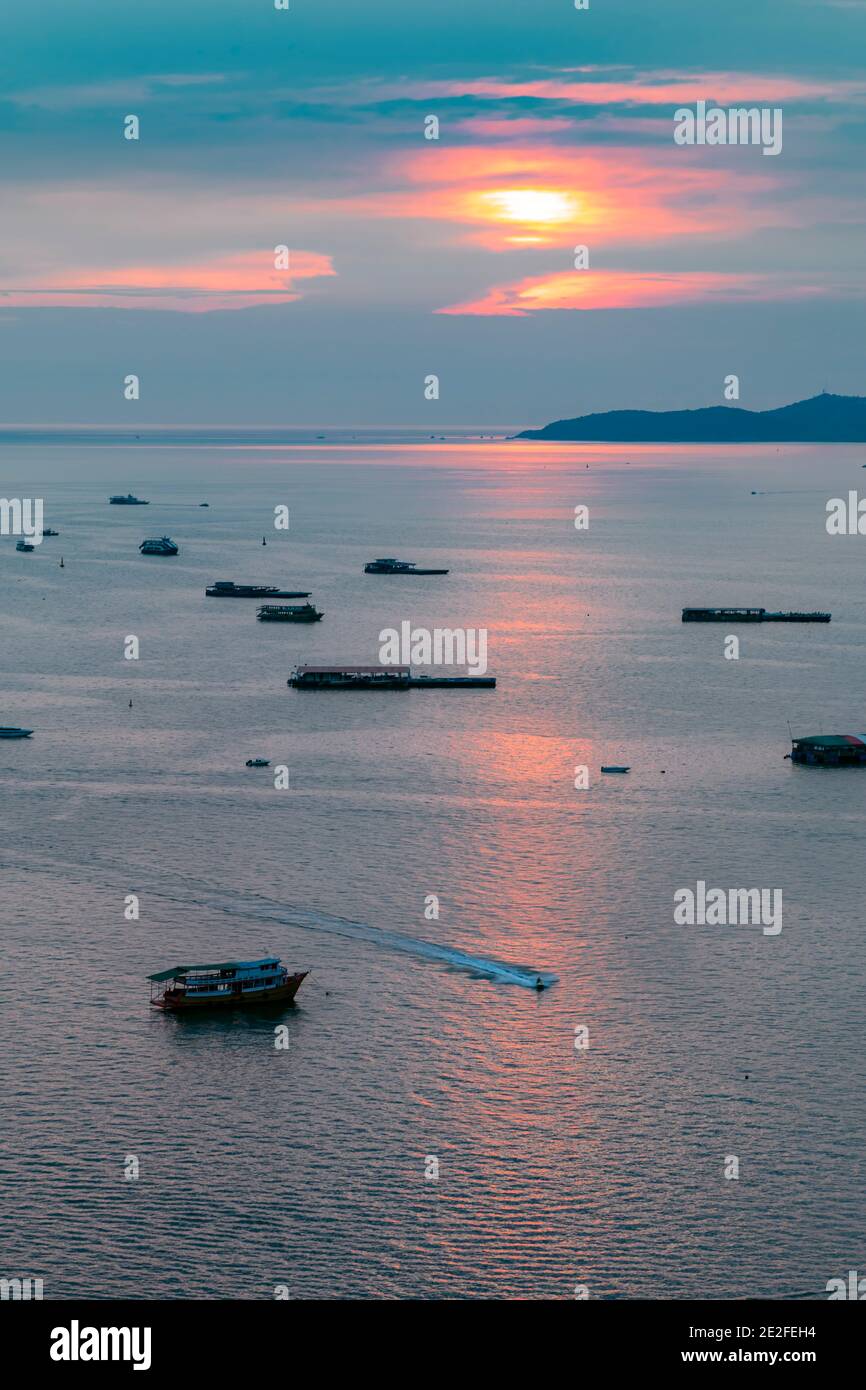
{"x": 678, "y": 1114}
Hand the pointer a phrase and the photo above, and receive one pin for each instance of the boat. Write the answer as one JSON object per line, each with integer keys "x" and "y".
{"x": 11, "y": 731}
{"x": 204, "y": 504}
{"x": 228, "y": 984}
{"x": 257, "y": 762}
{"x": 830, "y": 750}
{"x": 397, "y": 567}
{"x": 25, "y": 545}
{"x": 614, "y": 768}
{"x": 158, "y": 545}
{"x": 749, "y": 615}
{"x": 48, "y": 532}
{"x": 226, "y": 588}
{"x": 128, "y": 501}
{"x": 377, "y": 678}
{"x": 289, "y": 613}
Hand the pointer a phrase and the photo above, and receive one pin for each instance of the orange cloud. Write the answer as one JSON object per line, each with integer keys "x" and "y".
{"x": 241, "y": 280}
{"x": 623, "y": 289}
{"x": 657, "y": 89}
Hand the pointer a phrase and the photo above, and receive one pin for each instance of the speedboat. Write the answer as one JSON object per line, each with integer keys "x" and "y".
{"x": 10, "y": 731}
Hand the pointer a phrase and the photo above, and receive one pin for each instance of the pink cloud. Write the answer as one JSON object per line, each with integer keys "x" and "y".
{"x": 623, "y": 289}
{"x": 240, "y": 280}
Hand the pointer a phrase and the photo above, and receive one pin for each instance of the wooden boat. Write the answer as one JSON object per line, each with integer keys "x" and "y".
{"x": 229, "y": 984}
{"x": 158, "y": 545}
{"x": 289, "y": 613}
{"x": 829, "y": 750}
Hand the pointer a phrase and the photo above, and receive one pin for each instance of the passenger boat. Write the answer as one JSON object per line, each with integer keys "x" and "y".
{"x": 10, "y": 731}
{"x": 158, "y": 545}
{"x": 397, "y": 567}
{"x": 226, "y": 588}
{"x": 749, "y": 615}
{"x": 378, "y": 678}
{"x": 128, "y": 501}
{"x": 289, "y": 613}
{"x": 830, "y": 750}
{"x": 228, "y": 984}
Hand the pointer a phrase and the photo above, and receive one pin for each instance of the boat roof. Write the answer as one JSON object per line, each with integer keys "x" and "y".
{"x": 218, "y": 965}
{"x": 834, "y": 740}
{"x": 337, "y": 670}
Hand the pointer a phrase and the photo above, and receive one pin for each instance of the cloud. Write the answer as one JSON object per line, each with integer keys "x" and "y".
{"x": 617, "y": 289}
{"x": 241, "y": 280}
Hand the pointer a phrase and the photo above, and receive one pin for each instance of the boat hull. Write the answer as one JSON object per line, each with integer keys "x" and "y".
{"x": 176, "y": 1003}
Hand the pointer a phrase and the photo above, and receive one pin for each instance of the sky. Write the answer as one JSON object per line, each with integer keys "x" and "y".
{"x": 411, "y": 257}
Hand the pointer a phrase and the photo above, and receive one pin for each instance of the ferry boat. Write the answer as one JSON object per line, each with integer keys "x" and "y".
{"x": 397, "y": 567}
{"x": 228, "y": 984}
{"x": 749, "y": 615}
{"x": 11, "y": 731}
{"x": 25, "y": 545}
{"x": 289, "y": 613}
{"x": 226, "y": 588}
{"x": 830, "y": 750}
{"x": 158, "y": 545}
{"x": 128, "y": 501}
{"x": 378, "y": 678}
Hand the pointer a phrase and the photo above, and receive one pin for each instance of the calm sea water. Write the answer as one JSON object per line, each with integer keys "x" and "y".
{"x": 306, "y": 1166}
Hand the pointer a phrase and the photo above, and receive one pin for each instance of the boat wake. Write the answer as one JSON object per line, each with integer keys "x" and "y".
{"x": 197, "y": 893}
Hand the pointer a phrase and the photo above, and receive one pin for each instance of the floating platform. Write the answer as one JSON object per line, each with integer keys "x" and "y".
{"x": 379, "y": 678}
{"x": 830, "y": 750}
{"x": 749, "y": 615}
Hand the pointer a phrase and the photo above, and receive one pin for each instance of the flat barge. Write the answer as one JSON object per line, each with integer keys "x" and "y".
{"x": 391, "y": 566}
{"x": 226, "y": 588}
{"x": 830, "y": 750}
{"x": 749, "y": 615}
{"x": 289, "y": 613}
{"x": 379, "y": 678}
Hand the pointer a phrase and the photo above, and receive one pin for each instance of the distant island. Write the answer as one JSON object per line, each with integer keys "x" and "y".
{"x": 824, "y": 419}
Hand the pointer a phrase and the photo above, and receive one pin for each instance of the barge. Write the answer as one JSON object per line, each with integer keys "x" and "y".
{"x": 228, "y": 984}
{"x": 390, "y": 566}
{"x": 749, "y": 615}
{"x": 226, "y": 588}
{"x": 289, "y": 613}
{"x": 158, "y": 545}
{"x": 830, "y": 750}
{"x": 379, "y": 678}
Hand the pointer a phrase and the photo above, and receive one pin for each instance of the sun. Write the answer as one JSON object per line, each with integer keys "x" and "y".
{"x": 532, "y": 206}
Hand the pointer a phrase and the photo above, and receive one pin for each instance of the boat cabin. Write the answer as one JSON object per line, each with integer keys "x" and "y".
{"x": 226, "y": 978}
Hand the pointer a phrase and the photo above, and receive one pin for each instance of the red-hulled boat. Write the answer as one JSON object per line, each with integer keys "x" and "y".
{"x": 227, "y": 984}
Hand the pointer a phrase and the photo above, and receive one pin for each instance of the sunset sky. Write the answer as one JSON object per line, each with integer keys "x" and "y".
{"x": 411, "y": 256}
